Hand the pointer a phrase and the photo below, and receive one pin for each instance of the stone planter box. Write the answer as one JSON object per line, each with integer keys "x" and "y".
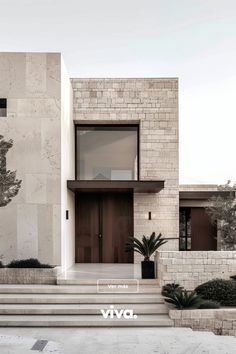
{"x": 29, "y": 275}
{"x": 220, "y": 321}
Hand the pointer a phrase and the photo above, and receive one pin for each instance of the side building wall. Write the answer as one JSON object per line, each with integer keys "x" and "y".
{"x": 30, "y": 225}
{"x": 153, "y": 103}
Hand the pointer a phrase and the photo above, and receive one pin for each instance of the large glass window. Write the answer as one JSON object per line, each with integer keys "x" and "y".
{"x": 107, "y": 152}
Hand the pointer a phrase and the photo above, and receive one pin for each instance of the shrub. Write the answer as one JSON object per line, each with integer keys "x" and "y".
{"x": 1, "y": 264}
{"x": 231, "y": 300}
{"x": 27, "y": 263}
{"x": 170, "y": 288}
{"x": 217, "y": 290}
{"x": 183, "y": 299}
{"x": 209, "y": 304}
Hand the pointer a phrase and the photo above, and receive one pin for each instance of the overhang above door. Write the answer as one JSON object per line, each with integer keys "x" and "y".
{"x": 115, "y": 186}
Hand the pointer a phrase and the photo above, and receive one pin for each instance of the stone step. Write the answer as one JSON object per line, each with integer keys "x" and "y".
{"x": 71, "y": 281}
{"x": 80, "y": 309}
{"x": 74, "y": 289}
{"x": 80, "y": 298}
{"x": 83, "y": 321}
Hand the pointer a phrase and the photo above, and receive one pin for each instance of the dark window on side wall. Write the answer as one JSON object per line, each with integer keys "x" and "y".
{"x": 107, "y": 152}
{"x": 185, "y": 229}
{"x": 3, "y": 107}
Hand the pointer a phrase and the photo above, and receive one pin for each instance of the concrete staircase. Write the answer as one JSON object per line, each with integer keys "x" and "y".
{"x": 80, "y": 306}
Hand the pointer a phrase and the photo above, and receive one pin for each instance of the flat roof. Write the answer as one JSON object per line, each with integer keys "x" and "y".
{"x": 115, "y": 186}
{"x": 202, "y": 195}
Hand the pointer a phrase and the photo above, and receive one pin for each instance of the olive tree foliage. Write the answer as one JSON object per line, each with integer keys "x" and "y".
{"x": 9, "y": 184}
{"x": 222, "y": 210}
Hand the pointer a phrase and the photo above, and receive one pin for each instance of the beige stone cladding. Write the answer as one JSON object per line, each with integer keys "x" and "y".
{"x": 192, "y": 268}
{"x": 30, "y": 223}
{"x": 219, "y": 321}
{"x": 153, "y": 103}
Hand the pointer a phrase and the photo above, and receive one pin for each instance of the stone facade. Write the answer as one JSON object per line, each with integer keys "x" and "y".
{"x": 40, "y": 105}
{"x": 153, "y": 103}
{"x": 30, "y": 225}
{"x": 191, "y": 269}
{"x": 219, "y": 321}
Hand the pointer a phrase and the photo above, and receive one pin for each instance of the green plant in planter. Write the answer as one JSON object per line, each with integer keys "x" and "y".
{"x": 170, "y": 288}
{"x": 146, "y": 247}
{"x": 183, "y": 299}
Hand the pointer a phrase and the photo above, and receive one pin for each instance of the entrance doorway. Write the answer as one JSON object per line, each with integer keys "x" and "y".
{"x": 197, "y": 233}
{"x": 103, "y": 224}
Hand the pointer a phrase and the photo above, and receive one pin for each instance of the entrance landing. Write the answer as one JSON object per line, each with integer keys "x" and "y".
{"x": 95, "y": 271}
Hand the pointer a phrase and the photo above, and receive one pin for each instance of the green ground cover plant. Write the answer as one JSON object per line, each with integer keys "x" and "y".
{"x": 27, "y": 263}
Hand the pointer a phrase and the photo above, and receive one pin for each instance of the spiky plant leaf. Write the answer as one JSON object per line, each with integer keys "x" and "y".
{"x": 170, "y": 288}
{"x": 147, "y": 246}
{"x": 183, "y": 299}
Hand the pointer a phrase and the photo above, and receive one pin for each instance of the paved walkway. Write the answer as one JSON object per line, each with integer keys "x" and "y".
{"x": 115, "y": 341}
{"x": 96, "y": 271}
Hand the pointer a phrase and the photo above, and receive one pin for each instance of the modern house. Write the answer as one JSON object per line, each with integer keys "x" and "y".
{"x": 84, "y": 165}
{"x": 98, "y": 162}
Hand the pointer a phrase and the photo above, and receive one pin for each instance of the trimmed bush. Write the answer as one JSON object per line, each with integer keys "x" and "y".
{"x": 218, "y": 290}
{"x": 231, "y": 300}
{"x": 170, "y": 288}
{"x": 209, "y": 304}
{"x": 1, "y": 264}
{"x": 27, "y": 263}
{"x": 183, "y": 299}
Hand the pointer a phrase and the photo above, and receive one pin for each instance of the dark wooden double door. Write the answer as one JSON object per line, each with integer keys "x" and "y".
{"x": 203, "y": 232}
{"x": 104, "y": 222}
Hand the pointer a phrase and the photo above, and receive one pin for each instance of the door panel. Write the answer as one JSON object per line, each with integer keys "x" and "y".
{"x": 87, "y": 228}
{"x": 117, "y": 227}
{"x": 109, "y": 215}
{"x": 203, "y": 233}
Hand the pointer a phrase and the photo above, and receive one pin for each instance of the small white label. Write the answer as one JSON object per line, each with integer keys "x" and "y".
{"x": 118, "y": 286}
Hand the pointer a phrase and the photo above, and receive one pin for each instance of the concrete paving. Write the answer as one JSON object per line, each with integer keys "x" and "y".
{"x": 115, "y": 341}
{"x": 96, "y": 271}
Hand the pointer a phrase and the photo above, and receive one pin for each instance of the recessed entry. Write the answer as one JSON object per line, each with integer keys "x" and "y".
{"x": 3, "y": 107}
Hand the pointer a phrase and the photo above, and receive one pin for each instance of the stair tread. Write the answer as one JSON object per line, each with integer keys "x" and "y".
{"x": 56, "y": 287}
{"x": 75, "y": 290}
{"x": 66, "y": 306}
{"x": 75, "y": 317}
{"x": 83, "y": 320}
{"x": 63, "y": 281}
{"x": 82, "y": 296}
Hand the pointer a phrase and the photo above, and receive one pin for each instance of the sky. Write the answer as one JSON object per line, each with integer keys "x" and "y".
{"x": 193, "y": 40}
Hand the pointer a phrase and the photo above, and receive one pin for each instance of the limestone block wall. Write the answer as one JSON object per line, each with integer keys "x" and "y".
{"x": 153, "y": 103}
{"x": 219, "y": 321}
{"x": 192, "y": 268}
{"x": 30, "y": 225}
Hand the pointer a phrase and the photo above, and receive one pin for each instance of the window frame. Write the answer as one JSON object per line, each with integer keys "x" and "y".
{"x": 78, "y": 126}
{"x": 185, "y": 237}
{"x": 4, "y": 100}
